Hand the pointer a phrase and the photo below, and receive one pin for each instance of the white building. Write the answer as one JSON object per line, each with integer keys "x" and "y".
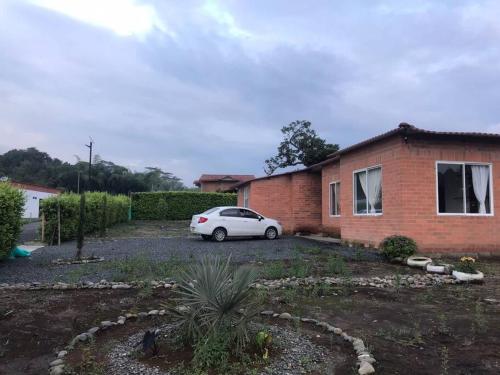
{"x": 34, "y": 195}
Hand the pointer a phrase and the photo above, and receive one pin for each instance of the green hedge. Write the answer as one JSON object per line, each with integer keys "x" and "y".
{"x": 11, "y": 212}
{"x": 100, "y": 213}
{"x": 177, "y": 205}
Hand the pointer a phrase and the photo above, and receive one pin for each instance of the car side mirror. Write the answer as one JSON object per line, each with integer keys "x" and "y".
{"x": 261, "y": 218}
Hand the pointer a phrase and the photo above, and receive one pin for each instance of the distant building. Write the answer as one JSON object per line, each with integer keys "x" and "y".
{"x": 221, "y": 182}
{"x": 34, "y": 195}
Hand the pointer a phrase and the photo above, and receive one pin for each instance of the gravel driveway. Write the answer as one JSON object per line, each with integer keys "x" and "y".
{"x": 39, "y": 268}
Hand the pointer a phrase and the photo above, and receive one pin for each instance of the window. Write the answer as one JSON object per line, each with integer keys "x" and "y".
{"x": 368, "y": 191}
{"x": 335, "y": 199}
{"x": 249, "y": 214}
{"x": 464, "y": 188}
{"x": 245, "y": 196}
{"x": 232, "y": 212}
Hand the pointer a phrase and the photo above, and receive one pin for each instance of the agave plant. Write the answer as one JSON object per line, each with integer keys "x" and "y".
{"x": 214, "y": 303}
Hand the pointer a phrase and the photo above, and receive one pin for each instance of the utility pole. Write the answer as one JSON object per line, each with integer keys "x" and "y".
{"x": 90, "y": 163}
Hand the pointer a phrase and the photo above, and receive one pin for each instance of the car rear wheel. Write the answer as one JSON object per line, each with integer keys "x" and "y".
{"x": 271, "y": 233}
{"x": 219, "y": 234}
{"x": 206, "y": 237}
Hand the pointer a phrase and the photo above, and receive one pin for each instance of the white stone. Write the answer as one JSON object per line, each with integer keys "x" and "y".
{"x": 366, "y": 368}
{"x": 285, "y": 316}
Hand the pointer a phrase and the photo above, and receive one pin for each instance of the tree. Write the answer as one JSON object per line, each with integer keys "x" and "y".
{"x": 301, "y": 145}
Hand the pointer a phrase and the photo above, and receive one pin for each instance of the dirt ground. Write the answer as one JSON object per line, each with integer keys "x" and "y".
{"x": 445, "y": 330}
{"x": 441, "y": 330}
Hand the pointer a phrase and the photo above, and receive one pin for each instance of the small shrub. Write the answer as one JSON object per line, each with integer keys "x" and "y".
{"x": 467, "y": 265}
{"x": 299, "y": 268}
{"x": 214, "y": 309}
{"x": 398, "y": 246}
{"x": 11, "y": 212}
{"x": 273, "y": 270}
{"x": 337, "y": 266}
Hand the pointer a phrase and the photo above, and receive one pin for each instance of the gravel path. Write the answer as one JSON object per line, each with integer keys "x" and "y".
{"x": 39, "y": 266}
{"x": 29, "y": 232}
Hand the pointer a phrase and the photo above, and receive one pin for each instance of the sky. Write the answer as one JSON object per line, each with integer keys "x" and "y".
{"x": 205, "y": 86}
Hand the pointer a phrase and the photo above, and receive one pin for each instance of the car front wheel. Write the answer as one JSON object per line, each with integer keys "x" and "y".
{"x": 271, "y": 233}
{"x": 219, "y": 234}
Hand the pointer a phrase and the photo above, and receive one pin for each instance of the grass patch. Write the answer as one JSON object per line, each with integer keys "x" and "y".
{"x": 142, "y": 268}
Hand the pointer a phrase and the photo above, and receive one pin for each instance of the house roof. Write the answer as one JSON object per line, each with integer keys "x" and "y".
{"x": 34, "y": 187}
{"x": 405, "y": 130}
{"x": 236, "y": 178}
{"x": 408, "y": 130}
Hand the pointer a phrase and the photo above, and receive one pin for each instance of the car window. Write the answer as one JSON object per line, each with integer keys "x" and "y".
{"x": 249, "y": 214}
{"x": 210, "y": 211}
{"x": 232, "y": 212}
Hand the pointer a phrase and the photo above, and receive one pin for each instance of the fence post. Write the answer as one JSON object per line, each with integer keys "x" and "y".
{"x": 43, "y": 226}
{"x": 58, "y": 223}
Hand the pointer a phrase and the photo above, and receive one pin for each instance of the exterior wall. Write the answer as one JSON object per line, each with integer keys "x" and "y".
{"x": 444, "y": 233}
{"x": 215, "y": 186}
{"x": 293, "y": 199}
{"x": 370, "y": 229}
{"x": 331, "y": 225}
{"x": 32, "y": 205}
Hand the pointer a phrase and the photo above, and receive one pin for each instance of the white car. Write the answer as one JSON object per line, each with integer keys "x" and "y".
{"x": 220, "y": 222}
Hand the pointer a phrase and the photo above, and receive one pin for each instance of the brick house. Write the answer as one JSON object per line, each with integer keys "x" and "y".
{"x": 435, "y": 187}
{"x": 211, "y": 183}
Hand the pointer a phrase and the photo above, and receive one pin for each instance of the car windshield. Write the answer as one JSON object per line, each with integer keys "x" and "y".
{"x": 210, "y": 211}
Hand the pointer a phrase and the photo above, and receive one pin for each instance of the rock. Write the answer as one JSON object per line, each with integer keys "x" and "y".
{"x": 130, "y": 316}
{"x": 93, "y": 330}
{"x": 167, "y": 286}
{"x": 106, "y": 324}
{"x": 57, "y": 370}
{"x": 121, "y": 320}
{"x": 366, "y": 368}
{"x": 121, "y": 286}
{"x": 267, "y": 312}
{"x": 57, "y": 362}
{"x": 162, "y": 312}
{"x": 286, "y": 316}
{"x": 82, "y": 337}
{"x": 142, "y": 314}
{"x": 153, "y": 312}
{"x": 62, "y": 354}
{"x": 337, "y": 331}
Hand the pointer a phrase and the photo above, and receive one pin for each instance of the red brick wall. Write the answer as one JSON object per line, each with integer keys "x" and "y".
{"x": 330, "y": 224}
{"x": 409, "y": 197}
{"x": 294, "y": 200}
{"x": 438, "y": 233}
{"x": 367, "y": 228}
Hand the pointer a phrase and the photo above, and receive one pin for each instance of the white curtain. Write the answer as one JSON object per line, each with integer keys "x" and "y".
{"x": 480, "y": 177}
{"x": 362, "y": 182}
{"x": 374, "y": 187}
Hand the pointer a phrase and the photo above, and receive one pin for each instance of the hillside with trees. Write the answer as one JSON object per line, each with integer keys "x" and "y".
{"x": 36, "y": 167}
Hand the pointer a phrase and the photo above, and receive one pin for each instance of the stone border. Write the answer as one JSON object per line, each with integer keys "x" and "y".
{"x": 65, "y": 262}
{"x": 58, "y": 366}
{"x": 365, "y": 358}
{"x": 392, "y": 281}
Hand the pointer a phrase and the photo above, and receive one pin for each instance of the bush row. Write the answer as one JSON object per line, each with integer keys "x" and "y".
{"x": 11, "y": 212}
{"x": 101, "y": 211}
{"x": 176, "y": 205}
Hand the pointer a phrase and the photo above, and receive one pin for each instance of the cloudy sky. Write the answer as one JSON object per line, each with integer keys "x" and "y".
{"x": 205, "y": 86}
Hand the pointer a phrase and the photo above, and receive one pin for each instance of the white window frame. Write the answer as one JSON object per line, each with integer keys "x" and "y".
{"x": 334, "y": 204}
{"x": 354, "y": 190}
{"x": 245, "y": 197}
{"x": 463, "y": 164}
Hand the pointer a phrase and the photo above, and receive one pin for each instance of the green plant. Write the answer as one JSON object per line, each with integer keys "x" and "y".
{"x": 11, "y": 210}
{"x": 69, "y": 206}
{"x": 299, "y": 268}
{"x": 176, "y": 205}
{"x": 466, "y": 265}
{"x": 214, "y": 308}
{"x": 273, "y": 270}
{"x": 263, "y": 340}
{"x": 336, "y": 265}
{"x": 398, "y": 247}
